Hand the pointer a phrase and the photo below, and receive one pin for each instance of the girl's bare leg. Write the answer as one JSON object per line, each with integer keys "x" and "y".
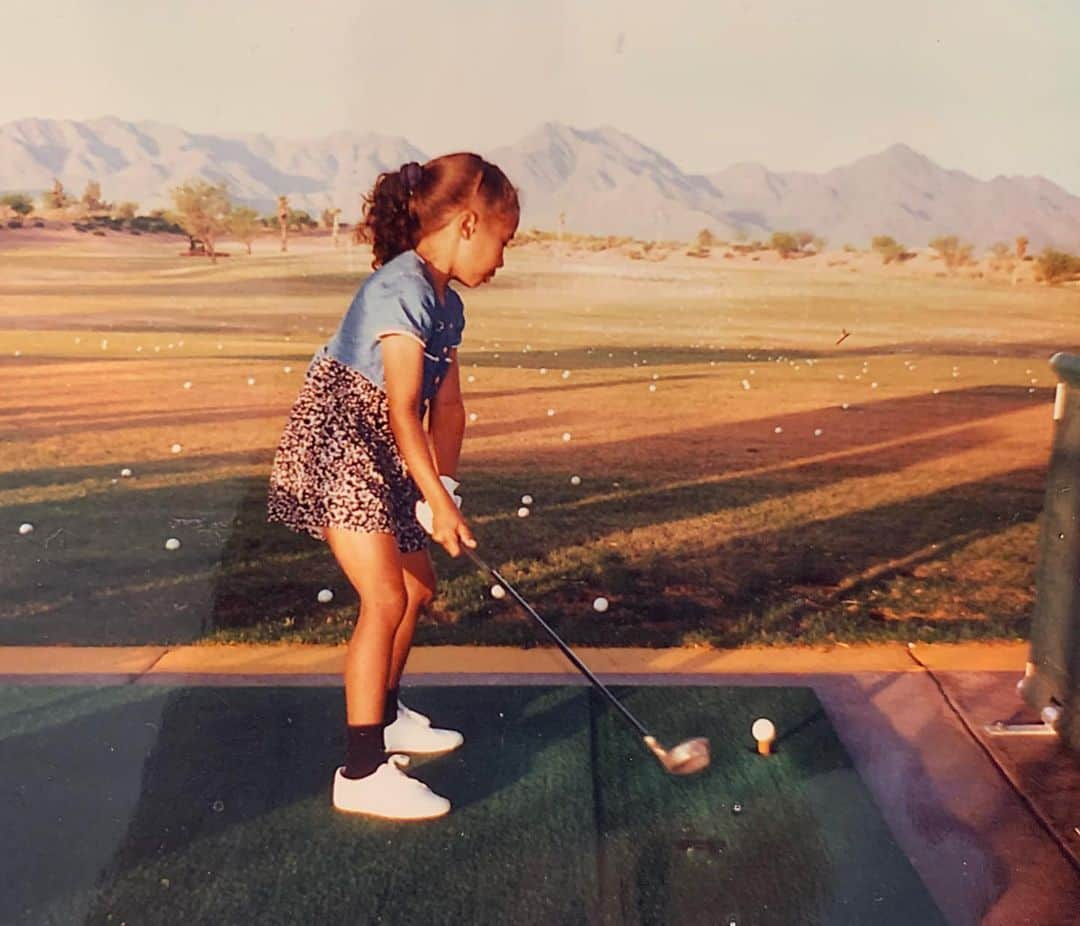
{"x": 419, "y": 577}
{"x": 373, "y": 564}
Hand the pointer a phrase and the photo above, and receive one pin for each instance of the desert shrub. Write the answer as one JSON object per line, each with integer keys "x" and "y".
{"x": 951, "y": 251}
{"x": 15, "y": 223}
{"x": 17, "y": 202}
{"x": 1057, "y": 267}
{"x": 784, "y": 243}
{"x": 850, "y": 249}
{"x": 888, "y": 247}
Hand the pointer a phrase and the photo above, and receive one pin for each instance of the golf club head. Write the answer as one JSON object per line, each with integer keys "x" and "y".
{"x": 685, "y": 759}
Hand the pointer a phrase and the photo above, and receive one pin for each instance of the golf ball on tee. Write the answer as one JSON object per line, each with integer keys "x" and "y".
{"x": 172, "y": 544}
{"x": 763, "y": 729}
{"x": 600, "y": 604}
{"x": 497, "y": 591}
{"x": 325, "y": 595}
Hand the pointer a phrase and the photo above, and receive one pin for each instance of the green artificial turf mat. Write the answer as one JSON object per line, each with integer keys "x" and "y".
{"x": 151, "y": 804}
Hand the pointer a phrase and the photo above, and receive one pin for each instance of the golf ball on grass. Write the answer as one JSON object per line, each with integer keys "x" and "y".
{"x": 176, "y": 448}
{"x": 523, "y": 512}
{"x": 575, "y": 480}
{"x": 497, "y": 591}
{"x": 325, "y": 596}
{"x": 600, "y": 604}
{"x": 26, "y": 529}
{"x": 172, "y": 544}
{"x": 526, "y": 499}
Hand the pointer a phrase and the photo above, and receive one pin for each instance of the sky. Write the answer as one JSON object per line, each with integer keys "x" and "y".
{"x": 985, "y": 86}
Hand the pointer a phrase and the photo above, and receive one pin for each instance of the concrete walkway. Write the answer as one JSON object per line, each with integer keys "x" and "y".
{"x": 988, "y": 822}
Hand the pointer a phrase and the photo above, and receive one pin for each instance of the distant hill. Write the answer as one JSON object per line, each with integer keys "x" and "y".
{"x": 605, "y": 182}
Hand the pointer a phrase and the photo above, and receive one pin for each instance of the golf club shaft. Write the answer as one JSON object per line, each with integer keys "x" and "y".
{"x": 566, "y": 649}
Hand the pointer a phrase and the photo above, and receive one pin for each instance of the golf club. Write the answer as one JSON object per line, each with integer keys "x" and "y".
{"x": 685, "y": 759}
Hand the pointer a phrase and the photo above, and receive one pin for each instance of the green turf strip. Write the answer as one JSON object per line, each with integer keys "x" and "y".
{"x": 145, "y": 804}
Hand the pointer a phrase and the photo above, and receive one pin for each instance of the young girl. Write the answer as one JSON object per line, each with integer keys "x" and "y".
{"x": 355, "y": 468}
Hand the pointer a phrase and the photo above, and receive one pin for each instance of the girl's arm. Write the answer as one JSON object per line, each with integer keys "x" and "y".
{"x": 446, "y": 421}
{"x": 403, "y": 366}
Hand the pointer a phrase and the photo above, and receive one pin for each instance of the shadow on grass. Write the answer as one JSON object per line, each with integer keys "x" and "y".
{"x": 95, "y": 570}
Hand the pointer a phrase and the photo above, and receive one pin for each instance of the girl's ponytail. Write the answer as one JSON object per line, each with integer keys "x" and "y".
{"x": 391, "y": 220}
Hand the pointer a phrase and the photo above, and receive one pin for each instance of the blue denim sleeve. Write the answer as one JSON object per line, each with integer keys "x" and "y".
{"x": 401, "y": 304}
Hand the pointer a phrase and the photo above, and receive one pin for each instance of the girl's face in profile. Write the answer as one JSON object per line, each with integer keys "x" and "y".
{"x": 483, "y": 251}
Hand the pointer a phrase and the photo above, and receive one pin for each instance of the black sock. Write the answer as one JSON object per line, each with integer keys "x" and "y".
{"x": 365, "y": 750}
{"x": 390, "y": 711}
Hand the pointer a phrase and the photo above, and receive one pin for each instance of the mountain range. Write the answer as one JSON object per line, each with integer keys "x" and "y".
{"x": 602, "y": 180}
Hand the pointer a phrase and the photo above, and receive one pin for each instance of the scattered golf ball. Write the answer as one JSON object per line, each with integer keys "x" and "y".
{"x": 566, "y": 435}
{"x": 172, "y": 544}
{"x": 526, "y": 499}
{"x": 125, "y": 472}
{"x": 288, "y": 369}
{"x": 551, "y": 412}
{"x": 251, "y": 380}
{"x": 817, "y": 432}
{"x": 575, "y": 480}
{"x": 778, "y": 430}
{"x": 652, "y": 387}
{"x": 471, "y": 378}
{"x": 497, "y": 591}
{"x": 565, "y": 374}
{"x": 325, "y": 595}
{"x": 736, "y": 808}
{"x": 176, "y": 448}
{"x": 472, "y": 416}
{"x": 600, "y": 604}
{"x": 523, "y": 512}
{"x": 187, "y": 384}
{"x": 26, "y": 528}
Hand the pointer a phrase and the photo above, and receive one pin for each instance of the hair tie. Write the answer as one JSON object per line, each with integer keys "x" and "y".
{"x": 410, "y": 176}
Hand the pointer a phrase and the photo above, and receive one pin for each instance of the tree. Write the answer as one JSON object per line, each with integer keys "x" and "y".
{"x": 244, "y": 225}
{"x": 952, "y": 251}
{"x": 202, "y": 209}
{"x": 1021, "y": 246}
{"x": 17, "y": 202}
{"x": 55, "y": 198}
{"x": 283, "y": 221}
{"x": 91, "y": 197}
{"x": 705, "y": 239}
{"x": 300, "y": 219}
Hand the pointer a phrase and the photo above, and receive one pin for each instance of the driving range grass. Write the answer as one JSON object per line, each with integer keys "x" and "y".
{"x": 912, "y": 515}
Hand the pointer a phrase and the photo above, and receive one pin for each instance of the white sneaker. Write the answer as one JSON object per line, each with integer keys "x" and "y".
{"x": 408, "y": 735}
{"x": 414, "y": 716}
{"x": 389, "y": 793}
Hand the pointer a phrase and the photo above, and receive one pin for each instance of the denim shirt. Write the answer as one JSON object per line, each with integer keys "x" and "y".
{"x": 399, "y": 297}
